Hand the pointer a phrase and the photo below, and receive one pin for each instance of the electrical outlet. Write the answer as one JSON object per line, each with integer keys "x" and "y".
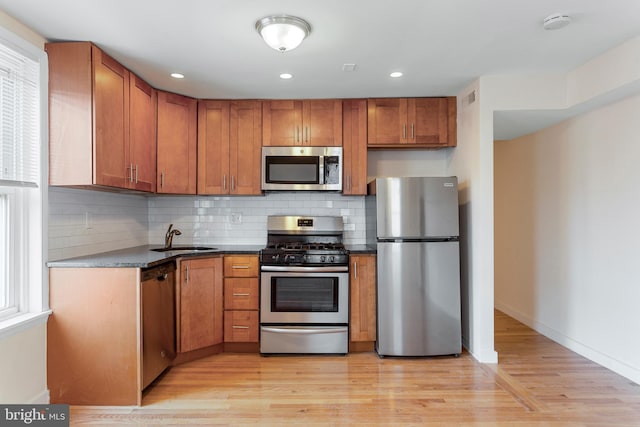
{"x": 236, "y": 218}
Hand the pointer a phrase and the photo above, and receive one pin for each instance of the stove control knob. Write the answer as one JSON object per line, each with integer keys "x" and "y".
{"x": 332, "y": 258}
{"x": 323, "y": 258}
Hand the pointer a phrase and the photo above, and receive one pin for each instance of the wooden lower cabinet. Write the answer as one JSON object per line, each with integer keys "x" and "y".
{"x": 241, "y": 302}
{"x": 362, "y": 321}
{"x": 94, "y": 341}
{"x": 200, "y": 301}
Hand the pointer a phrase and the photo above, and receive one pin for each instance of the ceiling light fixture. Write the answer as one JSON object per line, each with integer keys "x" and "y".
{"x": 395, "y": 74}
{"x": 556, "y": 21}
{"x": 286, "y": 76}
{"x": 283, "y": 32}
{"x": 177, "y": 75}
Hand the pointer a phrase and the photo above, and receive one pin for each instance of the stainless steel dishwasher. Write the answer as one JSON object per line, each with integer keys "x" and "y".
{"x": 158, "y": 320}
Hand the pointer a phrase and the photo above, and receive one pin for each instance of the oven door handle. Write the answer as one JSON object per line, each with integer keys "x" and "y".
{"x": 306, "y": 330}
{"x": 293, "y": 268}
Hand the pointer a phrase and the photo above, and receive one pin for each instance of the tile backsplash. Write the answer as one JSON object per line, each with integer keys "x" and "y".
{"x": 243, "y": 220}
{"x": 83, "y": 222}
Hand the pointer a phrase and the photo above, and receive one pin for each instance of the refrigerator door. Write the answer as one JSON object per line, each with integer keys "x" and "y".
{"x": 418, "y": 299}
{"x": 413, "y": 208}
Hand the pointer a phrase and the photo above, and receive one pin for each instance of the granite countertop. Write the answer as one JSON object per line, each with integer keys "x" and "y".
{"x": 361, "y": 249}
{"x": 144, "y": 257}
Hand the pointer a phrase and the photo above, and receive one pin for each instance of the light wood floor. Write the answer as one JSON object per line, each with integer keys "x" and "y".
{"x": 537, "y": 382}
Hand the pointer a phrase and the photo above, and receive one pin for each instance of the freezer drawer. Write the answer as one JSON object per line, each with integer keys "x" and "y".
{"x": 418, "y": 299}
{"x": 414, "y": 208}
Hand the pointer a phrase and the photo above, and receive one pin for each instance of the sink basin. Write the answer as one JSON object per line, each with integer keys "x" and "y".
{"x": 184, "y": 248}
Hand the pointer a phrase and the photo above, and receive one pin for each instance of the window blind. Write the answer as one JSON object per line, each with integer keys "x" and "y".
{"x": 19, "y": 119}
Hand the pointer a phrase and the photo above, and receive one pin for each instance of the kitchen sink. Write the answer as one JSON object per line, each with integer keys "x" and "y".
{"x": 184, "y": 248}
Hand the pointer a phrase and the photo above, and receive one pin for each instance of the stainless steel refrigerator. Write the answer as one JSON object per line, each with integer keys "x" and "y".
{"x": 415, "y": 223}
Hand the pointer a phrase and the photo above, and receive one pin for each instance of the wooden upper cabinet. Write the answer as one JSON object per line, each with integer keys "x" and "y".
{"x": 111, "y": 121}
{"x": 229, "y": 147}
{"x": 101, "y": 120}
{"x": 213, "y": 147}
{"x": 302, "y": 122}
{"x": 177, "y": 142}
{"x": 245, "y": 142}
{"x": 412, "y": 122}
{"x": 354, "y": 154}
{"x": 142, "y": 131}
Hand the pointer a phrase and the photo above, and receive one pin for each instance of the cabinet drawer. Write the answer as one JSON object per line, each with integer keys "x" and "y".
{"x": 241, "y": 326}
{"x": 241, "y": 266}
{"x": 241, "y": 293}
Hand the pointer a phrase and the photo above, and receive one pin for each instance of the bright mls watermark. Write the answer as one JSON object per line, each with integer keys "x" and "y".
{"x": 34, "y": 415}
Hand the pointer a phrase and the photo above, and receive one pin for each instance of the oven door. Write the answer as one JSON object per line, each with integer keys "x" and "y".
{"x": 304, "y": 295}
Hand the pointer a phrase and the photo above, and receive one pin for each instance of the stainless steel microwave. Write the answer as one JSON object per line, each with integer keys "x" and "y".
{"x": 302, "y": 168}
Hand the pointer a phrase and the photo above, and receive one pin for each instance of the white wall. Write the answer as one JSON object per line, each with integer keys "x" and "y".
{"x": 566, "y": 234}
{"x": 472, "y": 162}
{"x": 23, "y": 361}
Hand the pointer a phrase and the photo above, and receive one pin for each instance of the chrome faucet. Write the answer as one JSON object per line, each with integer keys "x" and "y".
{"x": 168, "y": 238}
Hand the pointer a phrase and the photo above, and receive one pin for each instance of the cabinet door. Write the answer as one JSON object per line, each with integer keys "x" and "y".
{"x": 322, "y": 122}
{"x": 111, "y": 121}
{"x": 387, "y": 121}
{"x": 354, "y": 147}
{"x": 281, "y": 122}
{"x": 428, "y": 121}
{"x": 142, "y": 134}
{"x": 177, "y": 141}
{"x": 362, "y": 326}
{"x": 213, "y": 147}
{"x": 245, "y": 141}
{"x": 200, "y": 303}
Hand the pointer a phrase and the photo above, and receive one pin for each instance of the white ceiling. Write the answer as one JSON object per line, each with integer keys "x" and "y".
{"x": 440, "y": 45}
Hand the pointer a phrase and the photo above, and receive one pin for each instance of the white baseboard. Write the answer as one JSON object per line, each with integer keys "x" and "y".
{"x": 41, "y": 399}
{"x": 592, "y": 354}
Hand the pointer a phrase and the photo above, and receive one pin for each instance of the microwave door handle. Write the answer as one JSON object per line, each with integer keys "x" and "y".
{"x": 321, "y": 165}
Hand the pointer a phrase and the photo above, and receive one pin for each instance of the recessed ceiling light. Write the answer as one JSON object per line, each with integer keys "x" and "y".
{"x": 396, "y": 74}
{"x": 177, "y": 75}
{"x": 286, "y": 76}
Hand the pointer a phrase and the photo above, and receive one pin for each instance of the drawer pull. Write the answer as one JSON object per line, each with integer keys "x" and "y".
{"x": 240, "y": 327}
{"x": 241, "y": 295}
{"x": 240, "y": 267}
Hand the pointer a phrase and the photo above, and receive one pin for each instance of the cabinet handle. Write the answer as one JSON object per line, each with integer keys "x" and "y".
{"x": 130, "y": 169}
{"x": 413, "y": 134}
{"x": 297, "y": 134}
{"x": 349, "y": 182}
{"x": 136, "y": 174}
{"x": 162, "y": 180}
{"x": 404, "y": 131}
{"x": 233, "y": 183}
{"x": 224, "y": 182}
{"x": 355, "y": 270}
{"x": 240, "y": 295}
{"x": 240, "y": 327}
{"x": 240, "y": 267}
{"x": 186, "y": 274}
{"x": 306, "y": 133}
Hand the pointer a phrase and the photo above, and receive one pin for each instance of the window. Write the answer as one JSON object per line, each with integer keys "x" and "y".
{"x": 22, "y": 191}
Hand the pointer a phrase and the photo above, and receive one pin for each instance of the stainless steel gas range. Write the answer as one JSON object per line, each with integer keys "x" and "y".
{"x": 304, "y": 287}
